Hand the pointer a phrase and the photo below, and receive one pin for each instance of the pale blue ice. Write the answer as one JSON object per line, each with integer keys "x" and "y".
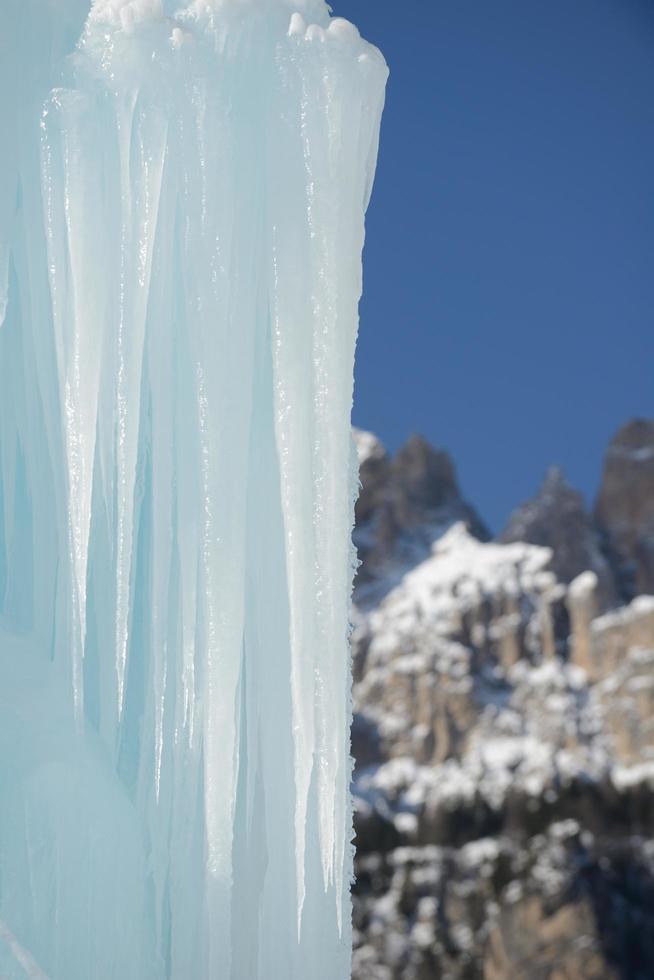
{"x": 182, "y": 200}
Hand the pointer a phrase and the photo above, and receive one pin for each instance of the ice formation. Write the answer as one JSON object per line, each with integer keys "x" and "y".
{"x": 182, "y": 199}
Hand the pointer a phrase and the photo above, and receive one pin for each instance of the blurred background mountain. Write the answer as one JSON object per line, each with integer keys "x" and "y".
{"x": 504, "y": 724}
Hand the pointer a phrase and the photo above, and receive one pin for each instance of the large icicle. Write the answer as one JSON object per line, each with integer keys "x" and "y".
{"x": 181, "y": 227}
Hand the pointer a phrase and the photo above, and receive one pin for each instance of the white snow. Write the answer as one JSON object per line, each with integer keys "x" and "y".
{"x": 640, "y": 607}
{"x": 367, "y": 445}
{"x": 461, "y": 570}
{"x": 625, "y": 777}
{"x": 640, "y": 454}
{"x": 583, "y": 587}
{"x": 126, "y": 14}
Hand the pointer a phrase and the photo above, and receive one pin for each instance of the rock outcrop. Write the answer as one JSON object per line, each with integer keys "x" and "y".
{"x": 557, "y": 518}
{"x": 407, "y": 502}
{"x": 624, "y": 510}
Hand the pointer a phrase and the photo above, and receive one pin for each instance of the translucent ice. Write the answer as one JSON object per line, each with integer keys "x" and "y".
{"x": 182, "y": 200}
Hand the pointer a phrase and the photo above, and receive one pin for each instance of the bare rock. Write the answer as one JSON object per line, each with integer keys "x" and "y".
{"x": 624, "y": 510}
{"x": 583, "y": 606}
{"x": 616, "y": 633}
{"x": 406, "y": 503}
{"x": 557, "y": 518}
{"x": 530, "y": 942}
{"x": 374, "y": 472}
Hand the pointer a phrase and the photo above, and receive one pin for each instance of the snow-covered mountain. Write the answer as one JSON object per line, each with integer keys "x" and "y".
{"x": 504, "y": 728}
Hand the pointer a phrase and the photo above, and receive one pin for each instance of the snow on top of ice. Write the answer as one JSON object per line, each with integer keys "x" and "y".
{"x": 309, "y": 20}
{"x": 334, "y": 29}
{"x": 126, "y": 14}
{"x": 338, "y": 29}
{"x": 106, "y": 9}
{"x": 297, "y": 25}
{"x": 309, "y": 10}
{"x": 177, "y": 37}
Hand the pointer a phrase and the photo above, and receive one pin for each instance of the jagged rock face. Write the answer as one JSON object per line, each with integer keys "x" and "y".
{"x": 563, "y": 904}
{"x": 423, "y": 482}
{"x": 374, "y": 472}
{"x": 468, "y": 698}
{"x": 625, "y": 506}
{"x": 505, "y": 740}
{"x": 407, "y": 502}
{"x": 444, "y": 639}
{"x": 557, "y": 518}
{"x": 617, "y": 652}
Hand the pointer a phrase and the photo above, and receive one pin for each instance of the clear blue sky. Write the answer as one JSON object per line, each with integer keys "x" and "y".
{"x": 509, "y": 270}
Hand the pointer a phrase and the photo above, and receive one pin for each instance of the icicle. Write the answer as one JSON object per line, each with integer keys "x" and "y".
{"x": 77, "y": 282}
{"x": 181, "y": 290}
{"x": 4, "y": 280}
{"x": 319, "y": 242}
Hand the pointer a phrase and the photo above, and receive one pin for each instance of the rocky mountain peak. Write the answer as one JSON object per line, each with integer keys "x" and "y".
{"x": 624, "y": 510}
{"x": 374, "y": 469}
{"x": 555, "y": 482}
{"x": 634, "y": 438}
{"x": 423, "y": 481}
{"x": 557, "y": 518}
{"x": 407, "y": 502}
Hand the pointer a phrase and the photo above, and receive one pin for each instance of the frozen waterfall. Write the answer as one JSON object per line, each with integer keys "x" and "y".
{"x": 182, "y": 199}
